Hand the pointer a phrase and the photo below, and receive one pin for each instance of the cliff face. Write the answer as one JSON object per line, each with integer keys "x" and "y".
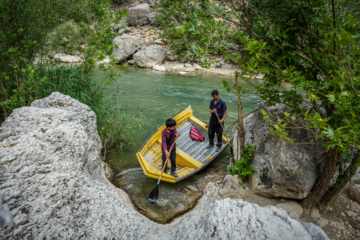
{"x": 52, "y": 180}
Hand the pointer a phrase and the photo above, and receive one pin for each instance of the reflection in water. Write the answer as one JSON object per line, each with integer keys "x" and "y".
{"x": 159, "y": 96}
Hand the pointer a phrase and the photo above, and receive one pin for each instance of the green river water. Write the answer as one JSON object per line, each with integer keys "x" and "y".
{"x": 159, "y": 96}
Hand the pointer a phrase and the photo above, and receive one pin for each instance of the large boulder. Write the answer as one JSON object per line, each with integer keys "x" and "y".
{"x": 152, "y": 55}
{"x": 52, "y": 179}
{"x": 354, "y": 193}
{"x": 139, "y": 15}
{"x": 125, "y": 46}
{"x": 282, "y": 169}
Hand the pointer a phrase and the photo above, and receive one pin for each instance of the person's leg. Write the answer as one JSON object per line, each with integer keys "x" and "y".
{"x": 173, "y": 160}
{"x": 163, "y": 161}
{"x": 211, "y": 131}
{"x": 173, "y": 163}
{"x": 219, "y": 132}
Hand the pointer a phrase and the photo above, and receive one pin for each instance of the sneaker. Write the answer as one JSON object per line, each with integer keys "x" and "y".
{"x": 174, "y": 174}
{"x": 166, "y": 170}
{"x": 209, "y": 146}
{"x": 218, "y": 148}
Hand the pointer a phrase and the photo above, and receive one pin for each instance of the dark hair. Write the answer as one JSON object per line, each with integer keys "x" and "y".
{"x": 215, "y": 92}
{"x": 170, "y": 122}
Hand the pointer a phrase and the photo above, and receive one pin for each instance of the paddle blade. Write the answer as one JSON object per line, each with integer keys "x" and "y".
{"x": 153, "y": 195}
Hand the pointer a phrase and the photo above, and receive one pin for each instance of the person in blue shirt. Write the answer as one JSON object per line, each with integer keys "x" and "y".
{"x": 218, "y": 106}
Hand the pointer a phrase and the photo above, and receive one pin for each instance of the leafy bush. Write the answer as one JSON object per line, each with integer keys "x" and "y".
{"x": 242, "y": 167}
{"x": 65, "y": 37}
{"x": 193, "y": 33}
{"x": 25, "y": 31}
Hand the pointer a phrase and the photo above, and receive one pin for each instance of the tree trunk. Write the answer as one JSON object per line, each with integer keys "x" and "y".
{"x": 323, "y": 182}
{"x": 240, "y": 115}
{"x": 341, "y": 181}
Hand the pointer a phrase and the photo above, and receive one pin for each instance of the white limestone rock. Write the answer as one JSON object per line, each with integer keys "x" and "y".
{"x": 159, "y": 68}
{"x": 237, "y": 219}
{"x": 65, "y": 58}
{"x": 152, "y": 55}
{"x": 161, "y": 41}
{"x": 125, "y": 46}
{"x": 6, "y": 218}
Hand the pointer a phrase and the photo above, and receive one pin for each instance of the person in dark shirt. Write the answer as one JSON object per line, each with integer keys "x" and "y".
{"x": 168, "y": 136}
{"x": 218, "y": 106}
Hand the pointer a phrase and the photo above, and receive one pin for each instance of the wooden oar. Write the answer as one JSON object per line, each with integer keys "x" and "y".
{"x": 155, "y": 192}
{"x": 231, "y": 149}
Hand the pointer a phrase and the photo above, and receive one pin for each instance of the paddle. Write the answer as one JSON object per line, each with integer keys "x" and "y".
{"x": 155, "y": 192}
{"x": 231, "y": 149}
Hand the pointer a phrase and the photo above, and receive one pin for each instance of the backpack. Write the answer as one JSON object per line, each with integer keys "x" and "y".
{"x": 195, "y": 135}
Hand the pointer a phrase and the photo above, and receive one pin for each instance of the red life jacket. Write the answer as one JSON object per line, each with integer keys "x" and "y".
{"x": 195, "y": 135}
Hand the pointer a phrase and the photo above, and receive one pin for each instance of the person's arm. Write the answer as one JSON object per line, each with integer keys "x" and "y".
{"x": 225, "y": 113}
{"x": 212, "y": 110}
{"x": 223, "y": 118}
{"x": 164, "y": 146}
{"x": 176, "y": 133}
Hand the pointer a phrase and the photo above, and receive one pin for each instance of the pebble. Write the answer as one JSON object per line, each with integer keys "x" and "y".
{"x": 315, "y": 213}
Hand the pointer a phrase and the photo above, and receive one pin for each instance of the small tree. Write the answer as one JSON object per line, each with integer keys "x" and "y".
{"x": 315, "y": 46}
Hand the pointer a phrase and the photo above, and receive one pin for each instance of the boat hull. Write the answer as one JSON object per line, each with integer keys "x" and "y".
{"x": 191, "y": 156}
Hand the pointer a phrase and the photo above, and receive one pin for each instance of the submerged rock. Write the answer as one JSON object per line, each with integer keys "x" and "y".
{"x": 52, "y": 179}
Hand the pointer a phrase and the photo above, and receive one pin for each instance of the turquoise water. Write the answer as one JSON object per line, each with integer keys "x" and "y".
{"x": 159, "y": 96}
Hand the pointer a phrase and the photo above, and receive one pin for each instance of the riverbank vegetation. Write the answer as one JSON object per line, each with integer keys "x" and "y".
{"x": 31, "y": 30}
{"x": 314, "y": 45}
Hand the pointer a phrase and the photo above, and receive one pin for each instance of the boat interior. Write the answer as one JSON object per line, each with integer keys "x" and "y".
{"x": 190, "y": 155}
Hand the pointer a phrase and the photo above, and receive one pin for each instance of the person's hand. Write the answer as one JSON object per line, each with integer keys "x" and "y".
{"x": 221, "y": 121}
{"x": 167, "y": 154}
{"x": 214, "y": 110}
{"x": 177, "y": 134}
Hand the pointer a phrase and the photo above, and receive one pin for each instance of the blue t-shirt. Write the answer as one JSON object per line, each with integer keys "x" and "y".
{"x": 220, "y": 107}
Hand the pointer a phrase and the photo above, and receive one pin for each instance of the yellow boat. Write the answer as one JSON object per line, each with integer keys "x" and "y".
{"x": 191, "y": 156}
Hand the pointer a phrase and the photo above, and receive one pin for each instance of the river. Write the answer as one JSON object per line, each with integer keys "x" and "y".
{"x": 158, "y": 96}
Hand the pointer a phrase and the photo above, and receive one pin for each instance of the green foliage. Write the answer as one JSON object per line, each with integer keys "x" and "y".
{"x": 69, "y": 80}
{"x": 295, "y": 42}
{"x": 116, "y": 128}
{"x": 29, "y": 29}
{"x": 193, "y": 33}
{"x": 242, "y": 167}
{"x": 312, "y": 44}
{"x": 65, "y": 38}
{"x": 319, "y": 60}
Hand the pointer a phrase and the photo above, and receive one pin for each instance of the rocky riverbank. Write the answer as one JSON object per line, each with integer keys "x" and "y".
{"x": 285, "y": 173}
{"x": 53, "y": 181}
{"x": 138, "y": 43}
